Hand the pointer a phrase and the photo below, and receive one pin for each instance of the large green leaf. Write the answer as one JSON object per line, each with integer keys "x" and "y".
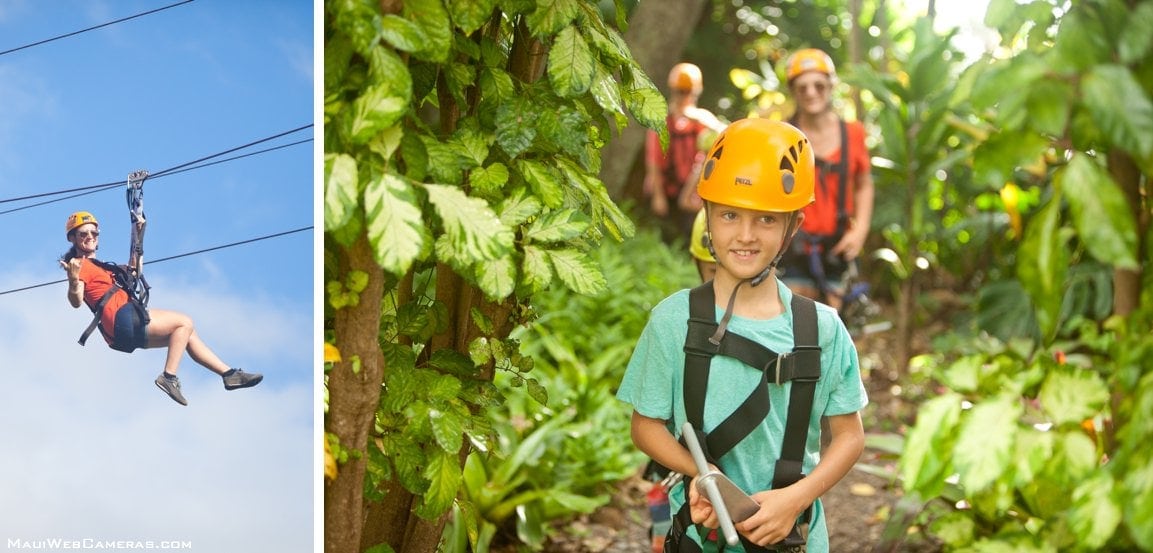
{"x": 488, "y": 181}
{"x": 537, "y": 269}
{"x": 1049, "y": 105}
{"x": 550, "y": 16}
{"x": 473, "y": 231}
{"x": 570, "y": 64}
{"x": 926, "y": 460}
{"x": 470, "y": 15}
{"x": 496, "y": 277}
{"x": 557, "y": 226}
{"x": 516, "y": 126}
{"x": 444, "y": 476}
{"x": 379, "y": 107}
{"x": 1139, "y": 489}
{"x": 645, "y": 102}
{"x": 340, "y": 189}
{"x": 578, "y": 271}
{"x": 985, "y": 445}
{"x": 434, "y": 21}
{"x": 1121, "y": 107}
{"x": 1133, "y": 45}
{"x": 1042, "y": 262}
{"x": 1004, "y": 310}
{"x": 355, "y": 19}
{"x": 543, "y": 180}
{"x": 402, "y": 33}
{"x": 448, "y": 425}
{"x": 1101, "y": 214}
{"x": 396, "y": 230}
{"x": 1071, "y": 396}
{"x": 1096, "y": 511}
{"x": 517, "y": 207}
{"x": 1082, "y": 42}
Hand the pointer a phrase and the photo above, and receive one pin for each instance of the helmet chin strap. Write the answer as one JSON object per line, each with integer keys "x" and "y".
{"x": 794, "y": 224}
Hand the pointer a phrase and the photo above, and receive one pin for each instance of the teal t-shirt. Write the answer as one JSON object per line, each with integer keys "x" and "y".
{"x": 653, "y": 385}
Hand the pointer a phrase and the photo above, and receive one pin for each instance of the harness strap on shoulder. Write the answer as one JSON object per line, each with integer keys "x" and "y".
{"x": 789, "y": 465}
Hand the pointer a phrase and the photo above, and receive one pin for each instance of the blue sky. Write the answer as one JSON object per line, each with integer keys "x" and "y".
{"x": 92, "y": 450}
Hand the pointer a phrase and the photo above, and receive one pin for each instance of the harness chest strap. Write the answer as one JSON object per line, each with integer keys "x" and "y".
{"x": 802, "y": 366}
{"x": 122, "y": 279}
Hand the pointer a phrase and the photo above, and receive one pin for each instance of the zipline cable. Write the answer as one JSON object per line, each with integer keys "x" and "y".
{"x": 177, "y": 256}
{"x": 168, "y": 172}
{"x": 170, "y": 169}
{"x": 74, "y": 33}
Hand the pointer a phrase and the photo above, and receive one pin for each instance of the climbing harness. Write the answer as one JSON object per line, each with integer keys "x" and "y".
{"x": 802, "y": 367}
{"x": 130, "y": 277}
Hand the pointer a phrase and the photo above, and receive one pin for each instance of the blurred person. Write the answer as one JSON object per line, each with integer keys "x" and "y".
{"x": 666, "y": 173}
{"x": 837, "y": 223}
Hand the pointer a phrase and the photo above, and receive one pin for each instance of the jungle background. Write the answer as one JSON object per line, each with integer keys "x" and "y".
{"x": 488, "y": 268}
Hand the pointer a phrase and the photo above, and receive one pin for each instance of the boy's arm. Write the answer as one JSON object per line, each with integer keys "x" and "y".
{"x": 653, "y": 437}
{"x": 780, "y": 508}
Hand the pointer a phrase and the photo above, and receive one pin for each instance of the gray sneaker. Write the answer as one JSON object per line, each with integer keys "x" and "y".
{"x": 236, "y": 379}
{"x": 171, "y": 386}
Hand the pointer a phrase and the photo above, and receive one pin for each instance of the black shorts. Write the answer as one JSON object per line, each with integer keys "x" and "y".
{"x": 129, "y": 332}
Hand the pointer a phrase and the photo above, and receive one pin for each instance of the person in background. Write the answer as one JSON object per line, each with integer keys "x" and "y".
{"x": 667, "y": 172}
{"x": 837, "y": 223}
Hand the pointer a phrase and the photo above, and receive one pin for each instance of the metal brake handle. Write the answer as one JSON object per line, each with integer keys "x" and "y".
{"x": 709, "y": 484}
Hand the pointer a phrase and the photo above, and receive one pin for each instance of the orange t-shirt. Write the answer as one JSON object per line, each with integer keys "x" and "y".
{"x": 97, "y": 281}
{"x": 821, "y": 215}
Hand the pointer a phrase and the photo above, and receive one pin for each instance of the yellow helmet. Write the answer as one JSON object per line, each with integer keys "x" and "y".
{"x": 699, "y": 243}
{"x": 761, "y": 165}
{"x": 809, "y": 59}
{"x": 685, "y": 77}
{"x": 77, "y": 219}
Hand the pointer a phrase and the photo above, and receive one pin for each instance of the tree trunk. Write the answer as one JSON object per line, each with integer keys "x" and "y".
{"x": 658, "y": 32}
{"x": 353, "y": 395}
{"x": 1127, "y": 282}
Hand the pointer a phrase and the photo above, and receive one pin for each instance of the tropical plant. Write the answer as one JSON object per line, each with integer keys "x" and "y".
{"x": 1036, "y": 444}
{"x": 461, "y": 154}
{"x": 565, "y": 455}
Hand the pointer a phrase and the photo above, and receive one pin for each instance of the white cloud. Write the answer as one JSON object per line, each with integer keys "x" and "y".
{"x": 92, "y": 450}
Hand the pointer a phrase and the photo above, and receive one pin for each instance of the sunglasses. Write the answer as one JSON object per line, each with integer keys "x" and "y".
{"x": 819, "y": 87}
{"x": 86, "y": 233}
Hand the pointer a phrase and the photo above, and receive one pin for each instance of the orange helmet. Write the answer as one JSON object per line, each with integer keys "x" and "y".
{"x": 685, "y": 77}
{"x": 761, "y": 165}
{"x": 77, "y": 219}
{"x": 809, "y": 59}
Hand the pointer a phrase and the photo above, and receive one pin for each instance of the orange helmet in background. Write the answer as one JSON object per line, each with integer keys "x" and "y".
{"x": 77, "y": 219}
{"x": 685, "y": 77}
{"x": 761, "y": 165}
{"x": 809, "y": 59}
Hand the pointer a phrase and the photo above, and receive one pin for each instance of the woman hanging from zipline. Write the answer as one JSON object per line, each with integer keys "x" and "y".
{"x": 125, "y": 321}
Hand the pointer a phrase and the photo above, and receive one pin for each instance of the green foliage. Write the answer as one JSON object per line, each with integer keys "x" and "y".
{"x": 1022, "y": 438}
{"x": 468, "y": 163}
{"x": 562, "y": 455}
